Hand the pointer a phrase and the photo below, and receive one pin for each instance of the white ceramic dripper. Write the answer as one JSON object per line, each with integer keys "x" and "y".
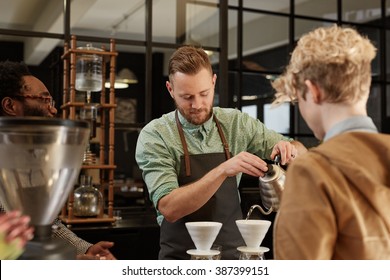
{"x": 253, "y": 233}
{"x": 203, "y": 234}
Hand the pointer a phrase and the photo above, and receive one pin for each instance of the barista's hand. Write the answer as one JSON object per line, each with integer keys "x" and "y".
{"x": 246, "y": 163}
{"x": 286, "y": 150}
{"x": 98, "y": 251}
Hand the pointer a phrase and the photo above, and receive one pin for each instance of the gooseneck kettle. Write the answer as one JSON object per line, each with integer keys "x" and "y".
{"x": 271, "y": 186}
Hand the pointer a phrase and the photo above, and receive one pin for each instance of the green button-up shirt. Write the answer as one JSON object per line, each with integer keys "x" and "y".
{"x": 159, "y": 147}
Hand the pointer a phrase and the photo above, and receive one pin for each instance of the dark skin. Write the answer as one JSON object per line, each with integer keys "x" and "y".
{"x": 19, "y": 107}
{"x": 30, "y": 105}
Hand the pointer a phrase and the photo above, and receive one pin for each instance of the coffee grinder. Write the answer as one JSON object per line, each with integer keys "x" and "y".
{"x": 40, "y": 160}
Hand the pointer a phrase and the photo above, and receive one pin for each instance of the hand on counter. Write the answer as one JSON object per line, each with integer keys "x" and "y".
{"x": 98, "y": 251}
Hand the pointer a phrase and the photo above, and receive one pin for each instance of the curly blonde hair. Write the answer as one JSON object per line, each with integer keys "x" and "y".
{"x": 336, "y": 59}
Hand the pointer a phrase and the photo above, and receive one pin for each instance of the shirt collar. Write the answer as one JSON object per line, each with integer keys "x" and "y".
{"x": 207, "y": 126}
{"x": 355, "y": 123}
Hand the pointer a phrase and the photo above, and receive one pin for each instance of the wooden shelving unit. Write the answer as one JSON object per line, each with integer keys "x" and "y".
{"x": 105, "y": 165}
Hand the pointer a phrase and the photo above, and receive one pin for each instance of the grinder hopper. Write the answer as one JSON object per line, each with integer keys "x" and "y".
{"x": 40, "y": 160}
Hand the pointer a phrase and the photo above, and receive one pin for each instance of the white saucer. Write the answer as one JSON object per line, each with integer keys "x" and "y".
{"x": 196, "y": 252}
{"x": 246, "y": 249}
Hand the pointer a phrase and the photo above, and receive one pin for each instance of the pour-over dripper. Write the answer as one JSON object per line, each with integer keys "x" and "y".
{"x": 41, "y": 160}
{"x": 203, "y": 234}
{"x": 253, "y": 231}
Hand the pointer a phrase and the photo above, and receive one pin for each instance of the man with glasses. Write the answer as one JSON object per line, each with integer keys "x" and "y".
{"x": 22, "y": 94}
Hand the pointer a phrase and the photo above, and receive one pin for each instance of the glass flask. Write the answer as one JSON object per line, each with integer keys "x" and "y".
{"x": 251, "y": 256}
{"x": 88, "y": 200}
{"x": 201, "y": 258}
{"x": 89, "y": 75}
{"x": 89, "y": 112}
{"x": 216, "y": 247}
{"x": 89, "y": 70}
{"x": 251, "y": 253}
{"x": 204, "y": 255}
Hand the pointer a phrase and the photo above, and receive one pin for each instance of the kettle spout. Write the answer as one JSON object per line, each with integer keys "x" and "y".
{"x": 253, "y": 207}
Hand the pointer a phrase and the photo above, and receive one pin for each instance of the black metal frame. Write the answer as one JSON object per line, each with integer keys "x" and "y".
{"x": 224, "y": 68}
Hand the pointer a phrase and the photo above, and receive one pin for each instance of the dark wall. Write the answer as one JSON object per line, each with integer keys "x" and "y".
{"x": 161, "y": 100}
{"x": 11, "y": 51}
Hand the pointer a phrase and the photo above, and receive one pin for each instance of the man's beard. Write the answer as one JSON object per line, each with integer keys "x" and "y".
{"x": 31, "y": 111}
{"x": 194, "y": 119}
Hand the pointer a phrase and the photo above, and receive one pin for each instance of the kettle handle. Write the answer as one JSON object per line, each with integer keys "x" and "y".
{"x": 277, "y": 159}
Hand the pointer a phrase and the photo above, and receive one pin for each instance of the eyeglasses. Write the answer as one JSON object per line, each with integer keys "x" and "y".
{"x": 45, "y": 99}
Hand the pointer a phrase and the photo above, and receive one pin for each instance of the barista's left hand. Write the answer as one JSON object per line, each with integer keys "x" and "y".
{"x": 98, "y": 251}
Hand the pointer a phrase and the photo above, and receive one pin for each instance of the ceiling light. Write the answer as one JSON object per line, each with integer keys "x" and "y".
{"x": 123, "y": 79}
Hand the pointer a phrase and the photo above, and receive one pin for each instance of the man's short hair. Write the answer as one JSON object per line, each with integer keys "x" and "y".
{"x": 11, "y": 77}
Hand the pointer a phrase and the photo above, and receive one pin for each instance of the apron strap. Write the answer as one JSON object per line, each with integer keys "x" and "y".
{"x": 184, "y": 143}
{"x": 224, "y": 142}
{"x": 185, "y": 147}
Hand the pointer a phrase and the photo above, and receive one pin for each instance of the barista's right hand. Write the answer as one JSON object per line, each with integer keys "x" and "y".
{"x": 246, "y": 163}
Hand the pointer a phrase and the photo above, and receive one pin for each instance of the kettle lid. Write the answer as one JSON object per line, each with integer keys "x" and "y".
{"x": 271, "y": 174}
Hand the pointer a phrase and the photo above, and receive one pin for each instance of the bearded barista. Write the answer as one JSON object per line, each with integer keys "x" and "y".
{"x": 192, "y": 158}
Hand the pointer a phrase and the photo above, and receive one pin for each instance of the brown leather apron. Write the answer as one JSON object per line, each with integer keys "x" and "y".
{"x": 223, "y": 206}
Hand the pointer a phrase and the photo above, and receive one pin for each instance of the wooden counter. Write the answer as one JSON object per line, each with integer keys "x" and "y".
{"x": 136, "y": 236}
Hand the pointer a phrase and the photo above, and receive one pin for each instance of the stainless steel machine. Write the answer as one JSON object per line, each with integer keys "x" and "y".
{"x": 40, "y": 160}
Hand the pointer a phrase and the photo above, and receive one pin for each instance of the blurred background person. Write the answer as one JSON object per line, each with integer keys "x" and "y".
{"x": 336, "y": 200}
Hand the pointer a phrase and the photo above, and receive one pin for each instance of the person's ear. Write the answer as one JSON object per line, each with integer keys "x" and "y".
{"x": 315, "y": 91}
{"x": 214, "y": 79}
{"x": 8, "y": 106}
{"x": 169, "y": 88}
